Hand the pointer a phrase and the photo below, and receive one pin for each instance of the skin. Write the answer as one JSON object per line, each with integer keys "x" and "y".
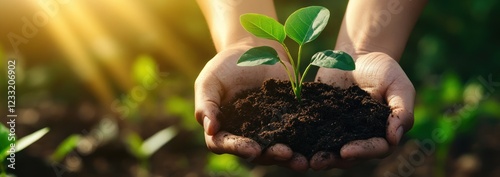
{"x": 376, "y": 42}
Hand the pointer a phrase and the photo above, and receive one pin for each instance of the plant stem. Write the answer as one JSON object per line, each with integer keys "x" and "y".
{"x": 305, "y": 73}
{"x": 297, "y": 69}
{"x": 293, "y": 66}
{"x": 289, "y": 74}
{"x": 298, "y": 80}
{"x": 144, "y": 167}
{"x": 288, "y": 53}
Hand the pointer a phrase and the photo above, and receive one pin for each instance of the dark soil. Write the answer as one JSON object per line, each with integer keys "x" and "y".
{"x": 327, "y": 117}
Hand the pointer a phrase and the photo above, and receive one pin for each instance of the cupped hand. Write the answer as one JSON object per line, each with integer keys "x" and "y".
{"x": 217, "y": 83}
{"x": 382, "y": 77}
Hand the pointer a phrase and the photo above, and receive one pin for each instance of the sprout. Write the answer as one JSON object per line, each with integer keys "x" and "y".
{"x": 302, "y": 26}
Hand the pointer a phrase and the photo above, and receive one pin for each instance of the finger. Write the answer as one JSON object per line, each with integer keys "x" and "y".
{"x": 365, "y": 149}
{"x": 375, "y": 74}
{"x": 224, "y": 142}
{"x": 298, "y": 162}
{"x": 275, "y": 154}
{"x": 279, "y": 152}
{"x": 327, "y": 160}
{"x": 322, "y": 160}
{"x": 208, "y": 92}
{"x": 400, "y": 97}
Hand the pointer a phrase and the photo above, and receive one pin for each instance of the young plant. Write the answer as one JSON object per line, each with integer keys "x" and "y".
{"x": 9, "y": 145}
{"x": 302, "y": 26}
{"x": 65, "y": 147}
{"x": 144, "y": 149}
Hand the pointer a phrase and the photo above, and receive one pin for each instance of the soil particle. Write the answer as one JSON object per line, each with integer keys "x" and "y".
{"x": 324, "y": 120}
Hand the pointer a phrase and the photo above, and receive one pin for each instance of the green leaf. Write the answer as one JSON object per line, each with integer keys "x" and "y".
{"x": 155, "y": 142}
{"x": 262, "y": 55}
{"x": 452, "y": 88}
{"x": 305, "y": 24}
{"x": 134, "y": 142}
{"x": 226, "y": 165}
{"x": 333, "y": 59}
{"x": 30, "y": 139}
{"x": 263, "y": 26}
{"x": 4, "y": 141}
{"x": 446, "y": 126}
{"x": 178, "y": 106}
{"x": 65, "y": 147}
{"x": 145, "y": 71}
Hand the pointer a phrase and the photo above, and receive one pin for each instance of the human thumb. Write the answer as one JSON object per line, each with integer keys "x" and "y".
{"x": 207, "y": 100}
{"x": 400, "y": 97}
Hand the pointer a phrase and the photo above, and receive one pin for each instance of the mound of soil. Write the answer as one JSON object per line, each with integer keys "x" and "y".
{"x": 327, "y": 117}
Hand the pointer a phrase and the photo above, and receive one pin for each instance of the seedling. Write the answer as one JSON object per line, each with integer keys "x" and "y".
{"x": 9, "y": 145}
{"x": 302, "y": 26}
{"x": 144, "y": 149}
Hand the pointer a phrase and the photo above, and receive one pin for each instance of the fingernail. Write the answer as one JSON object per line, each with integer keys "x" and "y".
{"x": 206, "y": 123}
{"x": 399, "y": 134}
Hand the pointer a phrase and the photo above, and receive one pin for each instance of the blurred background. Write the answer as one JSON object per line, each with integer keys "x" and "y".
{"x": 113, "y": 80}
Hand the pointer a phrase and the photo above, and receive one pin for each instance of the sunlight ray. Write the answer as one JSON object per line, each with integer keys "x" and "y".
{"x": 100, "y": 42}
{"x": 173, "y": 49}
{"x": 79, "y": 59}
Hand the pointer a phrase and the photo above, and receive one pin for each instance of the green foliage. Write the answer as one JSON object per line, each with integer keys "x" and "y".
{"x": 305, "y": 24}
{"x": 490, "y": 108}
{"x": 70, "y": 143}
{"x": 333, "y": 59}
{"x": 226, "y": 165}
{"x": 263, "y": 55}
{"x": 160, "y": 138}
{"x": 263, "y": 26}
{"x": 178, "y": 106}
{"x": 20, "y": 143}
{"x": 452, "y": 108}
{"x": 452, "y": 88}
{"x": 4, "y": 141}
{"x": 30, "y": 139}
{"x": 145, "y": 71}
{"x": 134, "y": 142}
{"x": 302, "y": 26}
{"x": 143, "y": 149}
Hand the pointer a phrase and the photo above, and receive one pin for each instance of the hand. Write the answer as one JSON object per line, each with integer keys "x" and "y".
{"x": 382, "y": 77}
{"x": 217, "y": 83}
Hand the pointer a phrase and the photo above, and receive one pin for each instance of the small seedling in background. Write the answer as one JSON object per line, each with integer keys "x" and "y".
{"x": 6, "y": 140}
{"x": 302, "y": 26}
{"x": 143, "y": 149}
{"x": 66, "y": 146}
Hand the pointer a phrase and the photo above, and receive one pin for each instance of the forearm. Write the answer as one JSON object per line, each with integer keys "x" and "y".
{"x": 223, "y": 18}
{"x": 378, "y": 26}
